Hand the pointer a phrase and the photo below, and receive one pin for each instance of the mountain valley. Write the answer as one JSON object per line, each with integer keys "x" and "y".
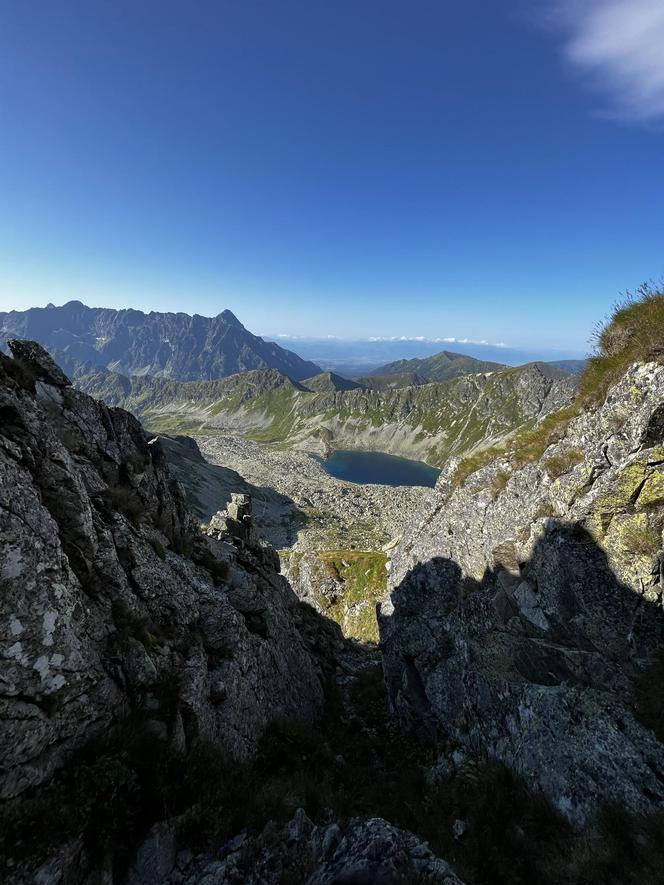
{"x": 223, "y": 665}
{"x": 331, "y": 443}
{"x": 275, "y": 431}
{"x": 428, "y": 422}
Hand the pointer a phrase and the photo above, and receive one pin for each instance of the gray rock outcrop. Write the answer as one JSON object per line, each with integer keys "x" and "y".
{"x": 525, "y": 604}
{"x": 236, "y": 520}
{"x": 112, "y": 601}
{"x": 367, "y": 851}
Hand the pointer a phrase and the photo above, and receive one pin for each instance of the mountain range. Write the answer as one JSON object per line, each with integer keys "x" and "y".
{"x": 167, "y": 345}
{"x": 177, "y": 710}
{"x": 425, "y": 421}
{"x": 361, "y": 356}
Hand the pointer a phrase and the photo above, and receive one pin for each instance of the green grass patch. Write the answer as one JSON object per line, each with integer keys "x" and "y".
{"x": 633, "y": 333}
{"x": 562, "y": 462}
{"x": 523, "y": 448}
{"x": 364, "y": 580}
{"x": 498, "y": 482}
{"x": 640, "y": 537}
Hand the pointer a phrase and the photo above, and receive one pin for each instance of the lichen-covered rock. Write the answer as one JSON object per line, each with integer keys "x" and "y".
{"x": 112, "y": 601}
{"x": 524, "y": 603}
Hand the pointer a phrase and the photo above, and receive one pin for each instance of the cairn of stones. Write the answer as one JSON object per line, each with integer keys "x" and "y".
{"x": 236, "y": 520}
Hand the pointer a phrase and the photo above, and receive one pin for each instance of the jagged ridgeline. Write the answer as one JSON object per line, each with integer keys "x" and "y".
{"x": 168, "y": 345}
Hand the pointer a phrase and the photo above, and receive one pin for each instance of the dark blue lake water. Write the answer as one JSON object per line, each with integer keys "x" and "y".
{"x": 380, "y": 469}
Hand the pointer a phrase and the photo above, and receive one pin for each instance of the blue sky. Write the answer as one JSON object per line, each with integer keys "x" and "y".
{"x": 487, "y": 170}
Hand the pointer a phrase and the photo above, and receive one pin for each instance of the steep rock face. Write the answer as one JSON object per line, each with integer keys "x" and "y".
{"x": 113, "y": 602}
{"x": 524, "y": 604}
{"x": 171, "y": 345}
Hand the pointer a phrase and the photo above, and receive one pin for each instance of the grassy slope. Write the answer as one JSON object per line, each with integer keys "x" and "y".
{"x": 440, "y": 367}
{"x": 445, "y": 417}
{"x": 364, "y": 578}
{"x": 434, "y": 420}
{"x": 633, "y": 333}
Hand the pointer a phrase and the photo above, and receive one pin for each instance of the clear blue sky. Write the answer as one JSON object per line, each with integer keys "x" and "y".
{"x": 357, "y": 167}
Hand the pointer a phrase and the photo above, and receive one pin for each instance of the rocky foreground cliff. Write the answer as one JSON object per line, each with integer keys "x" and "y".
{"x": 143, "y": 661}
{"x": 524, "y": 617}
{"x": 112, "y": 598}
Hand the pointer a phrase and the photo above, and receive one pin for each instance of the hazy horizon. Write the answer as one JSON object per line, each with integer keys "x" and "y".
{"x": 356, "y": 355}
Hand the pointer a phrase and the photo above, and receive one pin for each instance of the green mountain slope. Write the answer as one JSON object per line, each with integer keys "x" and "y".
{"x": 439, "y": 367}
{"x": 429, "y": 421}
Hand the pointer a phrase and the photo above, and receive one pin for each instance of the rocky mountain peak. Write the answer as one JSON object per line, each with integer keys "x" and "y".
{"x": 326, "y": 382}
{"x": 167, "y": 345}
{"x": 230, "y": 319}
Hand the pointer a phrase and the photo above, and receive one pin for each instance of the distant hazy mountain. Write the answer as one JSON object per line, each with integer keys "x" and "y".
{"x": 439, "y": 367}
{"x": 357, "y": 357}
{"x": 167, "y": 345}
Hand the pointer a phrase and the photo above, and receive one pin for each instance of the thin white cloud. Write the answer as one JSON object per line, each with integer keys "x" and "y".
{"x": 447, "y": 340}
{"x": 619, "y": 46}
{"x": 284, "y": 336}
